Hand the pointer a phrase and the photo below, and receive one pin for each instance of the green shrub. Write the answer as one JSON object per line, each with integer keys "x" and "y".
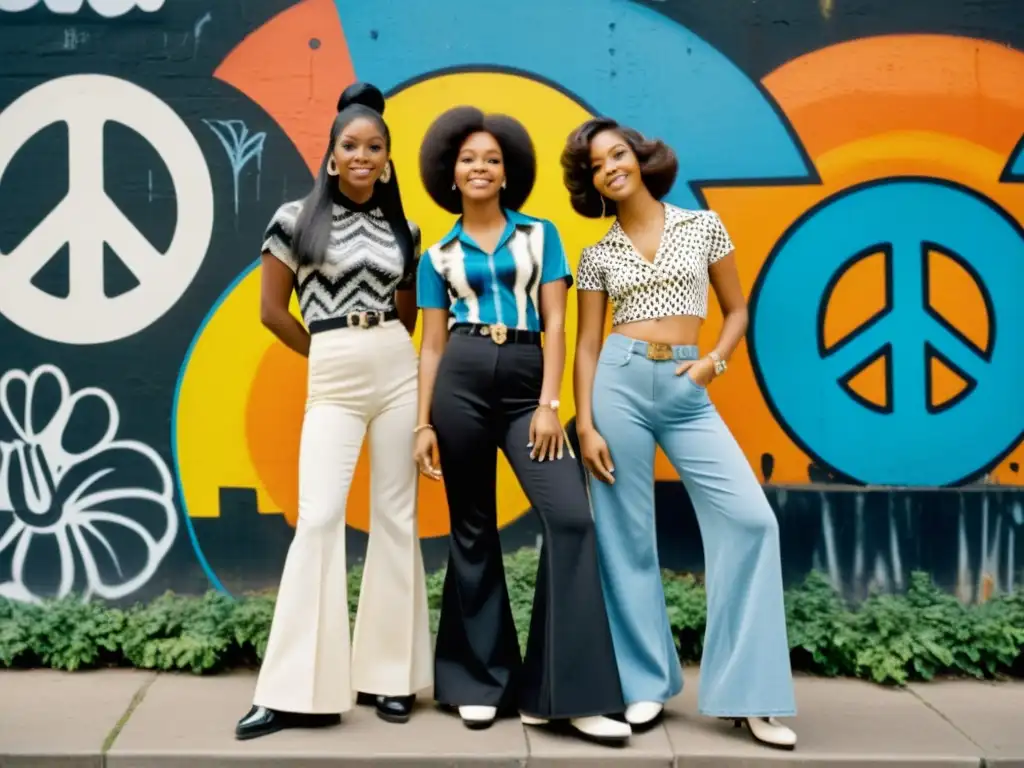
{"x": 687, "y": 613}
{"x": 176, "y": 632}
{"x": 927, "y": 632}
{"x": 821, "y": 636}
{"x": 917, "y": 635}
{"x": 67, "y": 634}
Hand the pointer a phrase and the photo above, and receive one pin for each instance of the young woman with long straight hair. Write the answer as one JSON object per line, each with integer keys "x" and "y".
{"x": 647, "y": 386}
{"x": 349, "y": 254}
{"x": 487, "y": 383}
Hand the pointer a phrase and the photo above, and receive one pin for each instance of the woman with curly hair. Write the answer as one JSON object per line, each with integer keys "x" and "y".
{"x": 486, "y": 382}
{"x": 647, "y": 386}
{"x": 349, "y": 254}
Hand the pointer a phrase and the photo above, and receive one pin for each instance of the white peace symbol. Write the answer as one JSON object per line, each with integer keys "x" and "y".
{"x": 86, "y": 217}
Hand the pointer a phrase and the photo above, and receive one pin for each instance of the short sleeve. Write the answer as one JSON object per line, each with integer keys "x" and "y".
{"x": 431, "y": 289}
{"x": 408, "y": 281}
{"x": 554, "y": 264}
{"x": 720, "y": 243}
{"x": 277, "y": 239}
{"x": 588, "y": 276}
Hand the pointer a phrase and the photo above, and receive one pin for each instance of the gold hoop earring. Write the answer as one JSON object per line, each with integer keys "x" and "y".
{"x": 504, "y": 183}
{"x": 332, "y": 166}
{"x": 385, "y": 177}
{"x": 604, "y": 213}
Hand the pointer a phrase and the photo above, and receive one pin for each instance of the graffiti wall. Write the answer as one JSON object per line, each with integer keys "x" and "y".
{"x": 866, "y": 159}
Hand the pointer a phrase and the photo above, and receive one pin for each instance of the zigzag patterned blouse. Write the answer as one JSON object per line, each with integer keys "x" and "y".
{"x": 361, "y": 271}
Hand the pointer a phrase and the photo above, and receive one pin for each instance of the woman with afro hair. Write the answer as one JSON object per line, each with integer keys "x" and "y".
{"x": 488, "y": 290}
{"x": 647, "y": 386}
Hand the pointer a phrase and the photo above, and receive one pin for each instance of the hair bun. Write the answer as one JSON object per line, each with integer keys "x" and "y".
{"x": 362, "y": 93}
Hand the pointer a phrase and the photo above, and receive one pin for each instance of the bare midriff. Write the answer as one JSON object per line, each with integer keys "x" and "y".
{"x": 678, "y": 329}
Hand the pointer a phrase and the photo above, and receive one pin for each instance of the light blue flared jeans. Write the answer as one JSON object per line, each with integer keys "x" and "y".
{"x": 745, "y": 670}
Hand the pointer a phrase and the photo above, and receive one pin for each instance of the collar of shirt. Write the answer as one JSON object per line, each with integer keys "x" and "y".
{"x": 340, "y": 198}
{"x": 674, "y": 216}
{"x": 513, "y": 219}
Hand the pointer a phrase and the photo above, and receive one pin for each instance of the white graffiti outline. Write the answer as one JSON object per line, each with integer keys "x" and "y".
{"x": 39, "y": 453}
{"x": 108, "y": 9}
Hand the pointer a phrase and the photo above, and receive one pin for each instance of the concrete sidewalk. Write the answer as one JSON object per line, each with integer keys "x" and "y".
{"x": 131, "y": 719}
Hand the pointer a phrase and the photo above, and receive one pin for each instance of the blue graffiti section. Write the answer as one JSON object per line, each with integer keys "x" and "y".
{"x": 241, "y": 147}
{"x": 908, "y": 442}
{"x": 617, "y": 58}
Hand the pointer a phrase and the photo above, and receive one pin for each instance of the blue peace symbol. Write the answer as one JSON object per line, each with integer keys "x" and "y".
{"x": 908, "y": 442}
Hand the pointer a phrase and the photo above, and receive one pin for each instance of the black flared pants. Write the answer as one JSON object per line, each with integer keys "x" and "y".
{"x": 484, "y": 399}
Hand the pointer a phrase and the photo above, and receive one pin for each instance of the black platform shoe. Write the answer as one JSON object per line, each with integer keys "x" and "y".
{"x": 261, "y": 721}
{"x": 393, "y": 709}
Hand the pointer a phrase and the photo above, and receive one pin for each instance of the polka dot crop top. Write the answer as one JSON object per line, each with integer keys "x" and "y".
{"x": 675, "y": 283}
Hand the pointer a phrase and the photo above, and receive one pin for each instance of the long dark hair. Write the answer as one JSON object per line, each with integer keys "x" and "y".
{"x": 313, "y": 226}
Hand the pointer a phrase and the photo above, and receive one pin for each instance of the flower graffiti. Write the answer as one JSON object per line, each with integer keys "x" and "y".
{"x": 69, "y": 521}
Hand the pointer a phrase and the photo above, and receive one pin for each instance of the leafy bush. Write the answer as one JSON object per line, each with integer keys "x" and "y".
{"x": 687, "y": 613}
{"x": 918, "y": 635}
{"x": 821, "y": 636}
{"x": 928, "y": 632}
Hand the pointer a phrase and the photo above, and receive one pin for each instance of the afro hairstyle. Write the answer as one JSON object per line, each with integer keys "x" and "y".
{"x": 444, "y": 139}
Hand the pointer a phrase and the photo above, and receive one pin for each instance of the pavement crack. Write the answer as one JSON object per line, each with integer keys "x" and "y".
{"x": 957, "y": 728}
{"x": 137, "y": 699}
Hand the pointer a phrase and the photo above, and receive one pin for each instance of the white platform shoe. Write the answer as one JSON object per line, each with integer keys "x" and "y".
{"x": 769, "y": 731}
{"x": 477, "y": 718}
{"x": 597, "y": 728}
{"x": 644, "y": 714}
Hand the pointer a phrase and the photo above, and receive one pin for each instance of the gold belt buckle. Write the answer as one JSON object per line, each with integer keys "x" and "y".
{"x": 659, "y": 351}
{"x": 362, "y": 319}
{"x": 497, "y": 332}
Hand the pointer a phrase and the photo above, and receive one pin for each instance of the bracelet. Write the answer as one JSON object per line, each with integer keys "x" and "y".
{"x": 421, "y": 427}
{"x": 719, "y": 364}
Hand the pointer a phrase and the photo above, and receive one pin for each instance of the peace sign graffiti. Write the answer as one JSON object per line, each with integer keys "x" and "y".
{"x": 86, "y": 218}
{"x": 908, "y": 440}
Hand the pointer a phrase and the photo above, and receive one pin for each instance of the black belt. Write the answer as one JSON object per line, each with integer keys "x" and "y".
{"x": 498, "y": 333}
{"x": 369, "y": 319}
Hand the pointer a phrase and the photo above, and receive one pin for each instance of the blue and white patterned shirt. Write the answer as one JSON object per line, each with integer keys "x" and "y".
{"x": 476, "y": 287}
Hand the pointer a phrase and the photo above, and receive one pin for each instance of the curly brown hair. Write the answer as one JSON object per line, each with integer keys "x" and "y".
{"x": 658, "y": 165}
{"x": 445, "y": 137}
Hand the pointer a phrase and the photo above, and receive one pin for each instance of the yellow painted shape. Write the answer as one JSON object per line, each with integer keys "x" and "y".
{"x": 856, "y": 298}
{"x": 210, "y": 418}
{"x": 946, "y": 383}
{"x": 870, "y": 383}
{"x": 955, "y": 294}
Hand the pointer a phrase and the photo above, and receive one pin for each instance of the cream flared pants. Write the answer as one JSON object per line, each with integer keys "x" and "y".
{"x": 361, "y": 382}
